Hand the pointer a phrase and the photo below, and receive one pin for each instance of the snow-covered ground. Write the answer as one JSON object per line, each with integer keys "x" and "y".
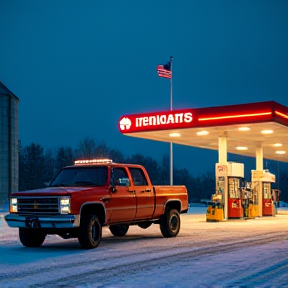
{"x": 238, "y": 253}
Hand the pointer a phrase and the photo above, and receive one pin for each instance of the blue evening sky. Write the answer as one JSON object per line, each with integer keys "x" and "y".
{"x": 77, "y": 66}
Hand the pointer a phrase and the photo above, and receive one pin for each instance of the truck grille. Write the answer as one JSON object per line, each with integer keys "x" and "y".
{"x": 38, "y": 205}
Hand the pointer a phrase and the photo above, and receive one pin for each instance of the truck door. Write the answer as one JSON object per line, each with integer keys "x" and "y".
{"x": 123, "y": 200}
{"x": 144, "y": 194}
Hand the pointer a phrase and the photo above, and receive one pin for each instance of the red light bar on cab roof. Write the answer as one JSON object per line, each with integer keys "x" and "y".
{"x": 93, "y": 161}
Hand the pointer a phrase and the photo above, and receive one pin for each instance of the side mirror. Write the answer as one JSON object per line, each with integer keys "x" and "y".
{"x": 113, "y": 189}
{"x": 128, "y": 183}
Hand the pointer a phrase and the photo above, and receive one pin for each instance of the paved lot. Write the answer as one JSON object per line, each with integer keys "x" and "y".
{"x": 251, "y": 253}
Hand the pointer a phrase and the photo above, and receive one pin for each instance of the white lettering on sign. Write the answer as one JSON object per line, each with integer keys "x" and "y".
{"x": 164, "y": 119}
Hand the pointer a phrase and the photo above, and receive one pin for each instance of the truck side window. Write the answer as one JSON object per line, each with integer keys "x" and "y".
{"x": 119, "y": 177}
{"x": 138, "y": 177}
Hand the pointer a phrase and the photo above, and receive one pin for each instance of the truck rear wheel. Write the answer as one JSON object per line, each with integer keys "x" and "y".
{"x": 170, "y": 223}
{"x": 31, "y": 237}
{"x": 90, "y": 231}
{"x": 119, "y": 230}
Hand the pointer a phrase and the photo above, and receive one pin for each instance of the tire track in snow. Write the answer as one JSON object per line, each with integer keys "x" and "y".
{"x": 147, "y": 261}
{"x": 260, "y": 277}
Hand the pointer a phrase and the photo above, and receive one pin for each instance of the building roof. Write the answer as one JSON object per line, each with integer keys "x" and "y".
{"x": 246, "y": 127}
{"x": 5, "y": 91}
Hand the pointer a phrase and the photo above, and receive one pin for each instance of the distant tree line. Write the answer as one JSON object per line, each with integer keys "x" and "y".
{"x": 37, "y": 167}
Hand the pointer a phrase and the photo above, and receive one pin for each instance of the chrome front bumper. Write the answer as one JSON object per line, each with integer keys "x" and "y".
{"x": 34, "y": 221}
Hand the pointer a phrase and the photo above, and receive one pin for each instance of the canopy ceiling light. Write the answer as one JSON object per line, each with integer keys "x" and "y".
{"x": 241, "y": 148}
{"x": 244, "y": 129}
{"x": 202, "y": 133}
{"x": 175, "y": 135}
{"x": 267, "y": 131}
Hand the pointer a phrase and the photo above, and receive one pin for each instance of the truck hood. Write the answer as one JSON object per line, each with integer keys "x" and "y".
{"x": 54, "y": 191}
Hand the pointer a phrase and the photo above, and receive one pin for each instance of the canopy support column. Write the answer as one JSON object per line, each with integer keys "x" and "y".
{"x": 222, "y": 159}
{"x": 222, "y": 149}
{"x": 259, "y": 167}
{"x": 259, "y": 158}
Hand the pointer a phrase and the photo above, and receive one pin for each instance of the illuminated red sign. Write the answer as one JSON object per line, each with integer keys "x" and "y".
{"x": 156, "y": 121}
{"x": 235, "y": 116}
{"x": 205, "y": 117}
{"x": 281, "y": 114}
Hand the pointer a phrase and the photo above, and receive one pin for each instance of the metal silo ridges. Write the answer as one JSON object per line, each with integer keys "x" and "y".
{"x": 9, "y": 156}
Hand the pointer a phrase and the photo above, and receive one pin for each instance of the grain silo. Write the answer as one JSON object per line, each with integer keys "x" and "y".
{"x": 9, "y": 156}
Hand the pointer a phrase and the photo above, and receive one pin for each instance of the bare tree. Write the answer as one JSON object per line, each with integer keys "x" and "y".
{"x": 102, "y": 151}
{"x": 86, "y": 148}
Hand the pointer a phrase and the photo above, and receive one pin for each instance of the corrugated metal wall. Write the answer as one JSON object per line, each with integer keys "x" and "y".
{"x": 9, "y": 156}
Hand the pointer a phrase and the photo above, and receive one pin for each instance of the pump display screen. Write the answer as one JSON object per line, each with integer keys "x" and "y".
{"x": 267, "y": 191}
{"x": 234, "y": 184}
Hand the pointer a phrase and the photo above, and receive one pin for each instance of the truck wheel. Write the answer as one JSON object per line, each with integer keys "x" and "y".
{"x": 144, "y": 225}
{"x": 90, "y": 232}
{"x": 31, "y": 237}
{"x": 170, "y": 223}
{"x": 119, "y": 230}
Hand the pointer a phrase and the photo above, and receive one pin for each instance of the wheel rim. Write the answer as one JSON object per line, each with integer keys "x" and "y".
{"x": 94, "y": 232}
{"x": 173, "y": 223}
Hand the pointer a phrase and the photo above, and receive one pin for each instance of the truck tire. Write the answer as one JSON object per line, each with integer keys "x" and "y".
{"x": 170, "y": 223}
{"x": 90, "y": 231}
{"x": 144, "y": 225}
{"x": 119, "y": 230}
{"x": 31, "y": 237}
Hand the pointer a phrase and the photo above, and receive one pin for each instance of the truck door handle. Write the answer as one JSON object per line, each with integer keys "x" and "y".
{"x": 146, "y": 190}
{"x": 107, "y": 198}
{"x": 132, "y": 191}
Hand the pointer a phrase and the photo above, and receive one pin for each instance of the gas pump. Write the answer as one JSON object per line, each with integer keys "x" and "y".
{"x": 267, "y": 206}
{"x": 228, "y": 182}
{"x": 261, "y": 183}
{"x": 247, "y": 200}
{"x": 276, "y": 199}
{"x": 215, "y": 209}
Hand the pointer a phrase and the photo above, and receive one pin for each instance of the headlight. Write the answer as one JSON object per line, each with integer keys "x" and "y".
{"x": 13, "y": 205}
{"x": 65, "y": 204}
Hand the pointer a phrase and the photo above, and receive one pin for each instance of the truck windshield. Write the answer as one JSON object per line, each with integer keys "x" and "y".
{"x": 81, "y": 176}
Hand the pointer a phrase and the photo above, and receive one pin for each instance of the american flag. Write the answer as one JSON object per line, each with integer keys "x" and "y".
{"x": 164, "y": 70}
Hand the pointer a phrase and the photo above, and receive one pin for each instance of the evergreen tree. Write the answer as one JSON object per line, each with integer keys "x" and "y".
{"x": 65, "y": 157}
{"x": 50, "y": 166}
{"x": 31, "y": 174}
{"x": 117, "y": 156}
{"x": 165, "y": 170}
{"x": 150, "y": 165}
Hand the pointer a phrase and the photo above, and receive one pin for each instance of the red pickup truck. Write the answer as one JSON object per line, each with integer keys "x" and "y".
{"x": 95, "y": 193}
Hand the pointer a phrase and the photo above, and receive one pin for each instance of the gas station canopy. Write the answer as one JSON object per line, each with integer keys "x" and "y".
{"x": 246, "y": 127}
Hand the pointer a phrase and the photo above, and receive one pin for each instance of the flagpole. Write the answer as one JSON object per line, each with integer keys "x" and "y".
{"x": 171, "y": 108}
